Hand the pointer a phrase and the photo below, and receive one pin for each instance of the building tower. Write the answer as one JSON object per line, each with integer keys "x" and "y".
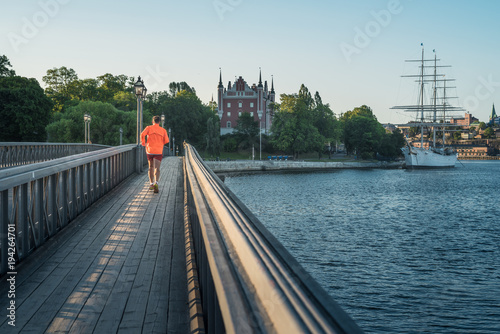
{"x": 220, "y": 92}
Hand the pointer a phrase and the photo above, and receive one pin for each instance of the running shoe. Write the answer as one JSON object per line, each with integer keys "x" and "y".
{"x": 151, "y": 187}
{"x": 156, "y": 188}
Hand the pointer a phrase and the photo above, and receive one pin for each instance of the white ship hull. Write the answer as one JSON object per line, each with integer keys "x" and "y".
{"x": 422, "y": 158}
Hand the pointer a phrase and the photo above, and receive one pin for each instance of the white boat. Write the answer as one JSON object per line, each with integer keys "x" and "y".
{"x": 431, "y": 116}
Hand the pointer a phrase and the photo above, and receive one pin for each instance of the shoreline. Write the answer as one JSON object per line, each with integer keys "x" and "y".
{"x": 244, "y": 166}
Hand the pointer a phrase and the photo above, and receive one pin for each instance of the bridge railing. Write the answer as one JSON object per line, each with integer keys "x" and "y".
{"x": 38, "y": 200}
{"x": 17, "y": 154}
{"x": 248, "y": 281}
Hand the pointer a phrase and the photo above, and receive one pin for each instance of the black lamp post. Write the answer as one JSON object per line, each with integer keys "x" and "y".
{"x": 87, "y": 118}
{"x": 140, "y": 91}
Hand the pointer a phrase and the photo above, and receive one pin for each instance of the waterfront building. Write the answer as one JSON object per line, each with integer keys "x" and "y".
{"x": 465, "y": 121}
{"x": 238, "y": 98}
{"x": 473, "y": 152}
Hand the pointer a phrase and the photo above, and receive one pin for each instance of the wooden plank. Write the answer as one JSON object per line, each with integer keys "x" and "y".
{"x": 157, "y": 309}
{"x": 178, "y": 319}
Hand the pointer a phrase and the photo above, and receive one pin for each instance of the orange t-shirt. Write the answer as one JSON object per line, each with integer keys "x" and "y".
{"x": 157, "y": 137}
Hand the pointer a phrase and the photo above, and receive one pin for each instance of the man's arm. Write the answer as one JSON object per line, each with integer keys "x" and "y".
{"x": 143, "y": 136}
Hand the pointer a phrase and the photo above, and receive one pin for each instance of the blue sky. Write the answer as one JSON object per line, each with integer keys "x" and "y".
{"x": 352, "y": 52}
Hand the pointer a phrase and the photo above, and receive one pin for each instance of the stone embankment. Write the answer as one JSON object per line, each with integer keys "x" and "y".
{"x": 244, "y": 166}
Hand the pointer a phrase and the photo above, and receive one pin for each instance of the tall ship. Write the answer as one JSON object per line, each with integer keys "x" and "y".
{"x": 432, "y": 118}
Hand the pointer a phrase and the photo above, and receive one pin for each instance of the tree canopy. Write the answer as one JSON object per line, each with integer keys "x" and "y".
{"x": 302, "y": 123}
{"x": 4, "y": 67}
{"x": 24, "y": 110}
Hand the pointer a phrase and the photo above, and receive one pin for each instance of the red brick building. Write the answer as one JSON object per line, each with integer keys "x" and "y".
{"x": 238, "y": 98}
{"x": 465, "y": 122}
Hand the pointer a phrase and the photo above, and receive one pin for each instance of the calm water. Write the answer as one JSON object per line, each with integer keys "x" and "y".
{"x": 401, "y": 251}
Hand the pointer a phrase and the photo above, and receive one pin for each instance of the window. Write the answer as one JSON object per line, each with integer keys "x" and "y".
{"x": 228, "y": 125}
{"x": 240, "y": 104}
{"x": 251, "y": 104}
{"x": 228, "y": 114}
{"x": 229, "y": 104}
{"x": 239, "y": 114}
{"x": 251, "y": 113}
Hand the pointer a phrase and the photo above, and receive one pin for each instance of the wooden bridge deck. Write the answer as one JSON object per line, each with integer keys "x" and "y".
{"x": 119, "y": 267}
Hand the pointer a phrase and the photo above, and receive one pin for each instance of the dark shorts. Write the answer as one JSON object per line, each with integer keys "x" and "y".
{"x": 155, "y": 156}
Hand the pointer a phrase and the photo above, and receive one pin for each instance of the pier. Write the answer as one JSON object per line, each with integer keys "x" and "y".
{"x": 86, "y": 247}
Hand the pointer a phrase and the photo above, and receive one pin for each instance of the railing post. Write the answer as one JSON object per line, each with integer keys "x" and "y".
{"x": 37, "y": 212}
{"x": 22, "y": 222}
{"x": 4, "y": 229}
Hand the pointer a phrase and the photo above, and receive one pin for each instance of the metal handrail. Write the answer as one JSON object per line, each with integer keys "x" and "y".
{"x": 23, "y": 153}
{"x": 38, "y": 200}
{"x": 249, "y": 281}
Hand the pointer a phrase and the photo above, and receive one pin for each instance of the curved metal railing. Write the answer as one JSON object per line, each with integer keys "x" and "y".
{"x": 17, "y": 153}
{"x": 248, "y": 281}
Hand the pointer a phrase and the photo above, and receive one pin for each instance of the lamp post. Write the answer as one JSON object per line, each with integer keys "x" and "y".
{"x": 170, "y": 134}
{"x": 162, "y": 120}
{"x": 140, "y": 92}
{"x": 121, "y": 135}
{"x": 86, "y": 119}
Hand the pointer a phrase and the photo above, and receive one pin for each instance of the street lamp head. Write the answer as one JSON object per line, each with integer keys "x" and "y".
{"x": 139, "y": 87}
{"x": 163, "y": 118}
{"x": 144, "y": 91}
{"x": 89, "y": 118}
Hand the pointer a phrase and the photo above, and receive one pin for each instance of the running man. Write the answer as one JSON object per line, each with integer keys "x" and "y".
{"x": 157, "y": 137}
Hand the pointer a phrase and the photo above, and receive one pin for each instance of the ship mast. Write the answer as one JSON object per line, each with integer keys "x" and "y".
{"x": 422, "y": 100}
{"x": 435, "y": 100}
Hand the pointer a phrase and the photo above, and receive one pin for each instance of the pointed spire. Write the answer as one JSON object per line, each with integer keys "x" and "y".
{"x": 272, "y": 84}
{"x": 493, "y": 112}
{"x": 260, "y": 77}
{"x": 220, "y": 78}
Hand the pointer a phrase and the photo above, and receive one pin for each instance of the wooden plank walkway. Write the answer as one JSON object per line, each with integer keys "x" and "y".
{"x": 118, "y": 268}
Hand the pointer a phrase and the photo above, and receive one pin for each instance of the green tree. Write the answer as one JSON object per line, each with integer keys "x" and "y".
{"x": 293, "y": 128}
{"x": 62, "y": 86}
{"x": 489, "y": 133}
{"x": 104, "y": 127}
{"x": 457, "y": 135}
{"x": 482, "y": 125}
{"x": 213, "y": 136}
{"x": 391, "y": 144}
{"x": 24, "y": 110}
{"x": 362, "y": 133}
{"x": 247, "y": 129}
{"x": 4, "y": 67}
{"x": 110, "y": 85}
{"x": 187, "y": 117}
{"x": 177, "y": 87}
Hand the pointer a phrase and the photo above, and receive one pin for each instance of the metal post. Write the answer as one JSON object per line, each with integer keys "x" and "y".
{"x": 121, "y": 136}
{"x": 169, "y": 143}
{"x": 85, "y": 124}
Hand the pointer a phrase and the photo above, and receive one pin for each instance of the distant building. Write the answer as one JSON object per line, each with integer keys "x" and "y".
{"x": 494, "y": 119}
{"x": 389, "y": 127}
{"x": 472, "y": 151}
{"x": 465, "y": 121}
{"x": 239, "y": 98}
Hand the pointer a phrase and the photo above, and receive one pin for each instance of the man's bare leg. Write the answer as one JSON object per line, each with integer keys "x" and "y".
{"x": 151, "y": 171}
{"x": 156, "y": 164}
